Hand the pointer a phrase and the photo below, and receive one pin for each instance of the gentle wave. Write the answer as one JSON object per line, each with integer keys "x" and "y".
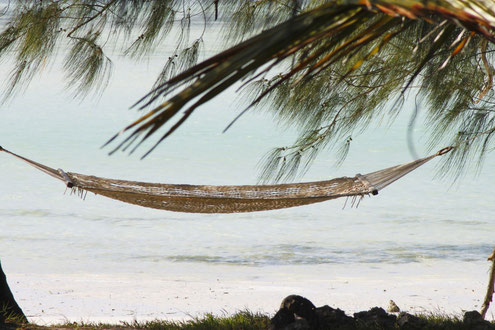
{"x": 308, "y": 255}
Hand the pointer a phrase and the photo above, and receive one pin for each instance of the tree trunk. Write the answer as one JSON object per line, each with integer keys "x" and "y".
{"x": 491, "y": 285}
{"x": 9, "y": 309}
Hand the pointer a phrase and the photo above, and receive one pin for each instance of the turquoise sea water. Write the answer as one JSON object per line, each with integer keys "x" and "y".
{"x": 420, "y": 218}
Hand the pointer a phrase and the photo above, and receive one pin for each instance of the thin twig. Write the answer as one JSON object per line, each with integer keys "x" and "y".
{"x": 69, "y": 35}
{"x": 490, "y": 288}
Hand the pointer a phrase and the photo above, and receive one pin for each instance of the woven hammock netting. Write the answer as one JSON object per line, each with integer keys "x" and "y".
{"x": 231, "y": 199}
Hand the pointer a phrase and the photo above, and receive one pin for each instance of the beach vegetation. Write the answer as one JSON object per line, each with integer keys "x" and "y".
{"x": 241, "y": 320}
{"x": 253, "y": 321}
{"x": 329, "y": 67}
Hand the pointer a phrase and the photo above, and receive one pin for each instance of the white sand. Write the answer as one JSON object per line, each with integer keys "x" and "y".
{"x": 183, "y": 291}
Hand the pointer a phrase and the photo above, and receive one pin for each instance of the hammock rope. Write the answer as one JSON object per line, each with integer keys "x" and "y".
{"x": 230, "y": 199}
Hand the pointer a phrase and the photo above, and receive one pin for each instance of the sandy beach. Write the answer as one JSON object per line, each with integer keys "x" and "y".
{"x": 183, "y": 291}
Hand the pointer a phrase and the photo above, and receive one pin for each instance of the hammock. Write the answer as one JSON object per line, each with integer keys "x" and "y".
{"x": 230, "y": 199}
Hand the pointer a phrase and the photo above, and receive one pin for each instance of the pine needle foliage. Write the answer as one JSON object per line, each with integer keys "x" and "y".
{"x": 328, "y": 67}
{"x": 342, "y": 64}
{"x": 90, "y": 29}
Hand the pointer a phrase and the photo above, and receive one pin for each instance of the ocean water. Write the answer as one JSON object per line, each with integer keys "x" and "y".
{"x": 43, "y": 230}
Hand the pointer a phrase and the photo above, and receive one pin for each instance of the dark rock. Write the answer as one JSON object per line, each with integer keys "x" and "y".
{"x": 376, "y": 317}
{"x": 472, "y": 316}
{"x": 285, "y": 320}
{"x": 282, "y": 319}
{"x": 330, "y": 318}
{"x": 410, "y": 322}
{"x": 299, "y": 324}
{"x": 476, "y": 321}
{"x": 302, "y": 308}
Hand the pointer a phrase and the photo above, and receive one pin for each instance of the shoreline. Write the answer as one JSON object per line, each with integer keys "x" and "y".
{"x": 184, "y": 291}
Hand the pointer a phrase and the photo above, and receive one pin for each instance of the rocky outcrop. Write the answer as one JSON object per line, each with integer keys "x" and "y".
{"x": 298, "y": 313}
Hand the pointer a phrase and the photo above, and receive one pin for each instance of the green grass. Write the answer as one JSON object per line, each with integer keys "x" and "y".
{"x": 242, "y": 320}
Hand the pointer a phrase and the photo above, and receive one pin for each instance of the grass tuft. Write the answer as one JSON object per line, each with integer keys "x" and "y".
{"x": 247, "y": 320}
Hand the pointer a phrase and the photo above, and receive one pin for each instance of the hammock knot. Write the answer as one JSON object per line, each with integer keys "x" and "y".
{"x": 365, "y": 182}
{"x": 68, "y": 181}
{"x": 444, "y": 151}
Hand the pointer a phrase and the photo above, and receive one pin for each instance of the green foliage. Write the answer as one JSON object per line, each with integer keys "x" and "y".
{"x": 336, "y": 105}
{"x": 157, "y": 22}
{"x": 86, "y": 65}
{"x": 90, "y": 29}
{"x": 7, "y": 316}
{"x": 32, "y": 34}
{"x": 439, "y": 61}
{"x": 328, "y": 67}
{"x": 247, "y": 320}
{"x": 242, "y": 320}
{"x": 250, "y": 17}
